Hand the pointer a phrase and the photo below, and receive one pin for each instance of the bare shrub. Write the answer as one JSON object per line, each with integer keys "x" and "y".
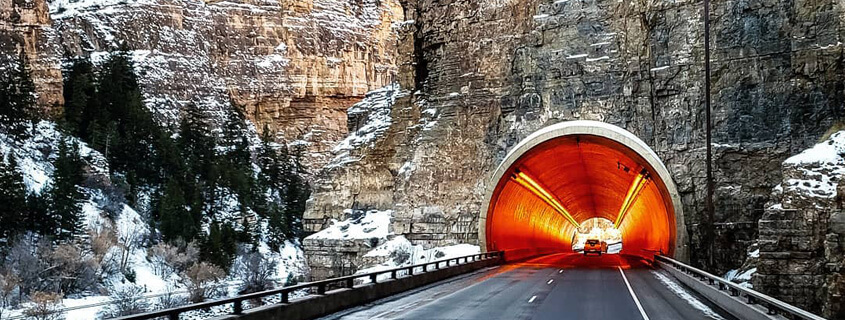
{"x": 27, "y": 260}
{"x": 9, "y": 285}
{"x": 126, "y": 301}
{"x": 102, "y": 242}
{"x": 255, "y": 271}
{"x": 201, "y": 280}
{"x": 45, "y": 306}
{"x": 72, "y": 269}
{"x": 170, "y": 299}
{"x": 129, "y": 238}
{"x": 168, "y": 259}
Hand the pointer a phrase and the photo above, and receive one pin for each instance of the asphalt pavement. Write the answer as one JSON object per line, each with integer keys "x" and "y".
{"x": 561, "y": 286}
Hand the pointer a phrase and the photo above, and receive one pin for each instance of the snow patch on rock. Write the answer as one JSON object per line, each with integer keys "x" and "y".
{"x": 815, "y": 172}
{"x": 376, "y": 108}
{"x": 370, "y": 224}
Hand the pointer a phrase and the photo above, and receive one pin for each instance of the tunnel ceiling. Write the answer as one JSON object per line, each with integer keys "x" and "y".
{"x": 589, "y": 176}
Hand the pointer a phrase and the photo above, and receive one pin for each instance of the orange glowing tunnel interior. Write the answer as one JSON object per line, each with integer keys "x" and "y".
{"x": 540, "y": 200}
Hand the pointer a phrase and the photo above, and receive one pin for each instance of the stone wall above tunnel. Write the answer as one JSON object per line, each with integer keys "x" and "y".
{"x": 480, "y": 76}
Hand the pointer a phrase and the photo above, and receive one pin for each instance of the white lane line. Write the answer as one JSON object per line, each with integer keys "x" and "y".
{"x": 633, "y": 295}
{"x": 550, "y": 281}
{"x": 532, "y": 299}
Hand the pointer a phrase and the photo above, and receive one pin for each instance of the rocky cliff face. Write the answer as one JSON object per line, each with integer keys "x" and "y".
{"x": 802, "y": 233}
{"x": 25, "y": 31}
{"x": 296, "y": 66}
{"x": 478, "y": 76}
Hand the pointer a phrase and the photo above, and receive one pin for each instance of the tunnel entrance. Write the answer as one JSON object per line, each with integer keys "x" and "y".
{"x": 570, "y": 172}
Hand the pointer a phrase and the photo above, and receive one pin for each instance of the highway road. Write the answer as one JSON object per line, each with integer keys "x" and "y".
{"x": 562, "y": 286}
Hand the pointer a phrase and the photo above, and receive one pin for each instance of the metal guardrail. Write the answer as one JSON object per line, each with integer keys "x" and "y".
{"x": 320, "y": 286}
{"x": 773, "y": 306}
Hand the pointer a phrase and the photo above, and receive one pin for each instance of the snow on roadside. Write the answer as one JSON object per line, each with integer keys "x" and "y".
{"x": 399, "y": 251}
{"x": 741, "y": 277}
{"x": 683, "y": 294}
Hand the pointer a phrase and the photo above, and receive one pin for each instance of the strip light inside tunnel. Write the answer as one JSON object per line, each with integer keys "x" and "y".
{"x": 633, "y": 192}
{"x": 525, "y": 181}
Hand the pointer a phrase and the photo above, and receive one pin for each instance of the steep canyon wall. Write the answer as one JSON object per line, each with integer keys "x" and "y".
{"x": 478, "y": 76}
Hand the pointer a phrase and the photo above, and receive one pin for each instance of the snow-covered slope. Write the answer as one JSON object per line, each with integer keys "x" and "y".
{"x": 131, "y": 230}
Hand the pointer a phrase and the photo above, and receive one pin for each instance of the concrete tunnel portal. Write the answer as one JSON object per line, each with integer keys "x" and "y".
{"x": 573, "y": 171}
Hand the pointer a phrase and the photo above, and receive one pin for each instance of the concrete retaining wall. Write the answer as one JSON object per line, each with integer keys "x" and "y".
{"x": 315, "y": 306}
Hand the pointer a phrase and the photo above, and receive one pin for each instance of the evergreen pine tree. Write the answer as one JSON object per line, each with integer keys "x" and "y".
{"x": 219, "y": 246}
{"x": 38, "y": 217}
{"x": 65, "y": 197}
{"x": 297, "y": 192}
{"x": 81, "y": 107}
{"x": 236, "y": 161}
{"x": 268, "y": 163}
{"x": 125, "y": 130}
{"x": 17, "y": 98}
{"x": 197, "y": 142}
{"x": 176, "y": 219}
{"x": 13, "y": 198}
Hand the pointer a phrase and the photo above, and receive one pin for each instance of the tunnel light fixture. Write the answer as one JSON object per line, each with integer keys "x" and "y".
{"x": 633, "y": 192}
{"x": 525, "y": 181}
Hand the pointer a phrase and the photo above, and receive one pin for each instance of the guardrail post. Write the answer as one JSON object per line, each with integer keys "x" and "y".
{"x": 771, "y": 309}
{"x": 425, "y": 268}
{"x": 285, "y": 297}
{"x": 411, "y": 271}
{"x": 173, "y": 316}
{"x": 393, "y": 274}
{"x": 321, "y": 288}
{"x": 350, "y": 283}
{"x": 238, "y": 307}
{"x": 374, "y": 278}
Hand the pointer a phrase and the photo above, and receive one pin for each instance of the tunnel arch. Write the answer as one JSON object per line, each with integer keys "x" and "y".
{"x": 588, "y": 168}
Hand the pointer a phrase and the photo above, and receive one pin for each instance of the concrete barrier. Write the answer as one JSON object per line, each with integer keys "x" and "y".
{"x": 314, "y": 306}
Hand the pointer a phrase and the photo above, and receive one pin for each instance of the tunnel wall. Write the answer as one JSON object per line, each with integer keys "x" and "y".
{"x": 535, "y": 236}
